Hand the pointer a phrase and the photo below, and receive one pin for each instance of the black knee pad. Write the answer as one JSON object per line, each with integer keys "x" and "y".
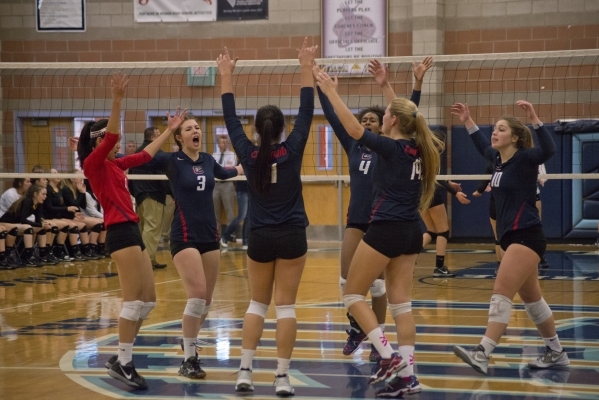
{"x": 65, "y": 229}
{"x": 41, "y": 232}
{"x": 54, "y": 230}
{"x": 83, "y": 230}
{"x": 444, "y": 234}
{"x": 433, "y": 235}
{"x": 74, "y": 230}
{"x": 14, "y": 232}
{"x": 98, "y": 228}
{"x": 28, "y": 231}
{"x": 3, "y": 235}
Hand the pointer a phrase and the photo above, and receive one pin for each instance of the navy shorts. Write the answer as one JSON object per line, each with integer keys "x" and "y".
{"x": 394, "y": 238}
{"x": 438, "y": 197}
{"x": 200, "y": 247}
{"x": 268, "y": 243}
{"x": 362, "y": 227}
{"x": 123, "y": 235}
{"x": 532, "y": 237}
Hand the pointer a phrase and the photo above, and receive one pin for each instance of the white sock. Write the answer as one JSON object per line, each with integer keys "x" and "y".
{"x": 246, "y": 358}
{"x": 553, "y": 343}
{"x": 283, "y": 366}
{"x": 488, "y": 344}
{"x": 378, "y": 339}
{"x": 125, "y": 353}
{"x": 189, "y": 346}
{"x": 407, "y": 353}
{"x": 382, "y": 326}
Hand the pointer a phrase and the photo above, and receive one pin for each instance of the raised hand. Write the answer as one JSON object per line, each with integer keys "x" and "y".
{"x": 306, "y": 54}
{"x": 529, "y": 110}
{"x": 118, "y": 84}
{"x": 421, "y": 69}
{"x": 325, "y": 83}
{"x": 379, "y": 72}
{"x": 174, "y": 121}
{"x": 461, "y": 111}
{"x": 226, "y": 66}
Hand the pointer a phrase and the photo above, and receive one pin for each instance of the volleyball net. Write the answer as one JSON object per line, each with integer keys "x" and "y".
{"x": 44, "y": 104}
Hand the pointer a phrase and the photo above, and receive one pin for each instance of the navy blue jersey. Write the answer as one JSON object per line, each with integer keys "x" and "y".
{"x": 514, "y": 183}
{"x": 192, "y": 184}
{"x": 396, "y": 178}
{"x": 361, "y": 162}
{"x": 284, "y": 204}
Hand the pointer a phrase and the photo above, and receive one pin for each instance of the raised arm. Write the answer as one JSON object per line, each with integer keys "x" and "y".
{"x": 172, "y": 125}
{"x": 306, "y": 57}
{"x": 419, "y": 71}
{"x": 349, "y": 121}
{"x": 546, "y": 147}
{"x": 118, "y": 84}
{"x": 380, "y": 73}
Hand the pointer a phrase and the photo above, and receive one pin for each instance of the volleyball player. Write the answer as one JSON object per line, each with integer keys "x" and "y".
{"x": 277, "y": 246}
{"x": 97, "y": 148}
{"x": 404, "y": 182}
{"x": 519, "y": 231}
{"x": 194, "y": 239}
{"x": 361, "y": 162}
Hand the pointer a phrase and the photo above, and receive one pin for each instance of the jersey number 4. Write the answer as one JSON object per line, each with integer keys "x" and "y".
{"x": 364, "y": 166}
{"x": 201, "y": 183}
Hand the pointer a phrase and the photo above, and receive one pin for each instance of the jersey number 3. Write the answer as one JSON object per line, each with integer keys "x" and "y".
{"x": 364, "y": 166}
{"x": 201, "y": 183}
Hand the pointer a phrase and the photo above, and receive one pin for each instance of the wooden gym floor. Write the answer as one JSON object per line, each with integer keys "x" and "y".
{"x": 58, "y": 327}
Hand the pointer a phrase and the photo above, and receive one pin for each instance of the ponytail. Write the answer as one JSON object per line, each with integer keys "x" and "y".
{"x": 269, "y": 125}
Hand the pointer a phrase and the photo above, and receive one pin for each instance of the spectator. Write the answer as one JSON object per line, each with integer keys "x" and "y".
{"x": 224, "y": 191}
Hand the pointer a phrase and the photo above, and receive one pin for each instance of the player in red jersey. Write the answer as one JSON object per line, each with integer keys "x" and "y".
{"x": 97, "y": 147}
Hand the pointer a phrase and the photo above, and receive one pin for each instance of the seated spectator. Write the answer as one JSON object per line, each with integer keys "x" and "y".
{"x": 19, "y": 186}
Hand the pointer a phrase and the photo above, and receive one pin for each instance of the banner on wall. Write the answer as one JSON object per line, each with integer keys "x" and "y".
{"x": 242, "y": 9}
{"x": 174, "y": 10}
{"x": 60, "y": 15}
{"x": 353, "y": 29}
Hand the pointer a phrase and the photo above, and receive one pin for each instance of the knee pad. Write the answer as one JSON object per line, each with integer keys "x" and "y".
{"x": 377, "y": 289}
{"x": 195, "y": 307}
{"x": 499, "y": 309}
{"x": 401, "y": 308}
{"x": 54, "y": 230}
{"x": 97, "y": 228}
{"x": 432, "y": 234}
{"x": 83, "y": 230}
{"x": 342, "y": 285}
{"x": 28, "y": 231}
{"x": 538, "y": 311}
{"x": 3, "y": 235}
{"x": 65, "y": 229}
{"x": 444, "y": 234}
{"x": 350, "y": 299}
{"x": 13, "y": 232}
{"x": 207, "y": 308}
{"x": 41, "y": 232}
{"x": 131, "y": 310}
{"x": 287, "y": 311}
{"x": 74, "y": 230}
{"x": 146, "y": 308}
{"x": 257, "y": 308}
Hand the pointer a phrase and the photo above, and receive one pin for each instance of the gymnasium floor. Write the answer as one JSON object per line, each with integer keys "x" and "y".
{"x": 58, "y": 327}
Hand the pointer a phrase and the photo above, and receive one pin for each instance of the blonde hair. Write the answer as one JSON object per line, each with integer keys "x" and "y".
{"x": 68, "y": 183}
{"x": 412, "y": 122}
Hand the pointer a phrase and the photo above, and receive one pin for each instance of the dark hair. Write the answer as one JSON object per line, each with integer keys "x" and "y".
{"x": 37, "y": 169}
{"x": 86, "y": 143}
{"x": 178, "y": 130}
{"x": 377, "y": 110}
{"x": 15, "y": 208}
{"x": 18, "y": 182}
{"x": 521, "y": 131}
{"x": 270, "y": 123}
{"x": 149, "y": 132}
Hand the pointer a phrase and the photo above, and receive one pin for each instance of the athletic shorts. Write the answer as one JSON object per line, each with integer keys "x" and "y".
{"x": 362, "y": 227}
{"x": 492, "y": 208}
{"x": 532, "y": 237}
{"x": 123, "y": 235}
{"x": 268, "y": 243}
{"x": 394, "y": 238}
{"x": 438, "y": 197}
{"x": 201, "y": 247}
